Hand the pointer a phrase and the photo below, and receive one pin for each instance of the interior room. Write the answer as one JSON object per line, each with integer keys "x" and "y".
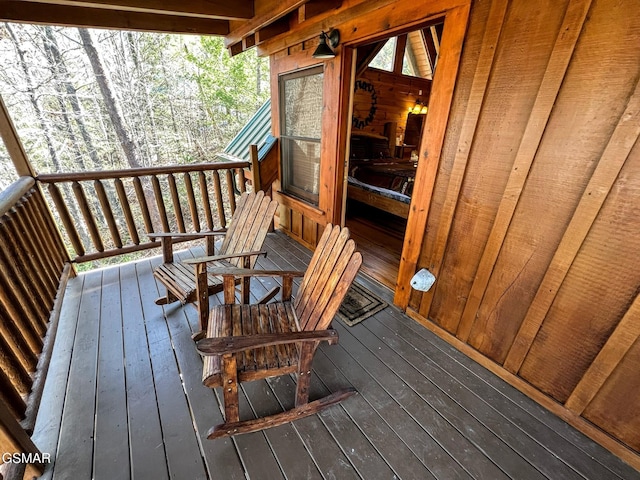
{"x": 390, "y": 102}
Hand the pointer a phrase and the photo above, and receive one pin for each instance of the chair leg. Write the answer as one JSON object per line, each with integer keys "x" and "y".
{"x": 167, "y": 299}
{"x": 245, "y": 290}
{"x": 307, "y": 349}
{"x": 230, "y": 388}
{"x": 202, "y": 300}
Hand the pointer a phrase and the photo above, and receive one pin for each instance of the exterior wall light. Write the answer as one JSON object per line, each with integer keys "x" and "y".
{"x": 323, "y": 50}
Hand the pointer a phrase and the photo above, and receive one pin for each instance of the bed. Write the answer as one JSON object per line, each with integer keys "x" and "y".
{"x": 378, "y": 179}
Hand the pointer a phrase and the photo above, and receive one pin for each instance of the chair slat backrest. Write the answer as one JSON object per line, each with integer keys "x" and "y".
{"x": 331, "y": 271}
{"x": 249, "y": 225}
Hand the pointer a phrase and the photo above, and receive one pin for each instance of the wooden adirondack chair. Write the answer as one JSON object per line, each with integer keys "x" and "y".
{"x": 241, "y": 247}
{"x": 250, "y": 342}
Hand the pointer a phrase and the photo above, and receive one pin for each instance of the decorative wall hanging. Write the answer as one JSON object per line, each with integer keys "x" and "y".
{"x": 359, "y": 121}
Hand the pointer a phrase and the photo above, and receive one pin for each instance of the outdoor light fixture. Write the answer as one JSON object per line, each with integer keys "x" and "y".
{"x": 323, "y": 50}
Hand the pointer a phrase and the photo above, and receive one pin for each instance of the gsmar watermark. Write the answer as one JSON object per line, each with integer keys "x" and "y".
{"x": 38, "y": 457}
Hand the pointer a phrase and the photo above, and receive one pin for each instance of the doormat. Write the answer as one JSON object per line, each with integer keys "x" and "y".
{"x": 358, "y": 305}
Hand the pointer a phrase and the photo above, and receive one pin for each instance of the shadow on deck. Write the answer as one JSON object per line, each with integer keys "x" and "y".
{"x": 124, "y": 399}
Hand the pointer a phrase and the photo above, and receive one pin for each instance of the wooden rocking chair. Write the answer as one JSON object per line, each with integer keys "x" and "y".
{"x": 241, "y": 247}
{"x": 251, "y": 342}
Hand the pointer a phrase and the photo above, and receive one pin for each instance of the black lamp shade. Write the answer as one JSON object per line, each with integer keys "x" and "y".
{"x": 323, "y": 50}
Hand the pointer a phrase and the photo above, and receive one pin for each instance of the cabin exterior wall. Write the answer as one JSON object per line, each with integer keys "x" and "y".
{"x": 534, "y": 219}
{"x": 533, "y": 226}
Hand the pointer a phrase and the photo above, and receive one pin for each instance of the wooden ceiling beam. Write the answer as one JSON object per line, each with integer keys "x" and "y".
{"x": 267, "y": 12}
{"x": 322, "y": 22}
{"x": 316, "y": 7}
{"x": 70, "y": 16}
{"x": 382, "y": 15}
{"x": 269, "y": 31}
{"x": 398, "y": 57}
{"x": 220, "y": 9}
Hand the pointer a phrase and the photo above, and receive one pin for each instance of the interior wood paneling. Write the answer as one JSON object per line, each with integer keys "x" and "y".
{"x": 394, "y": 96}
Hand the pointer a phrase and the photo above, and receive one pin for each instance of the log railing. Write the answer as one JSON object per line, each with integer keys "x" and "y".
{"x": 95, "y": 215}
{"x": 33, "y": 270}
{"x": 108, "y": 213}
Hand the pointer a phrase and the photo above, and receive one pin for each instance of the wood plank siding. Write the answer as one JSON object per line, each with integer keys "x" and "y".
{"x": 124, "y": 399}
{"x": 525, "y": 205}
{"x": 533, "y": 230}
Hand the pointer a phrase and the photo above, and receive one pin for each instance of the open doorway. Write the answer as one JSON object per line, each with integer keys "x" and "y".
{"x": 390, "y": 102}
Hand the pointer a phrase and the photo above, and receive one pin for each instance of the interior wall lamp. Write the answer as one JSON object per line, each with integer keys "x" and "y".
{"x": 418, "y": 107}
{"x": 323, "y": 50}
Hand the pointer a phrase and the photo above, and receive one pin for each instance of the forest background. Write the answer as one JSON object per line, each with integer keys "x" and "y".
{"x": 84, "y": 99}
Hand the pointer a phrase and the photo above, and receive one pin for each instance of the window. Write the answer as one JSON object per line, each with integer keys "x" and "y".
{"x": 419, "y": 50}
{"x": 384, "y": 59}
{"x": 301, "y": 124}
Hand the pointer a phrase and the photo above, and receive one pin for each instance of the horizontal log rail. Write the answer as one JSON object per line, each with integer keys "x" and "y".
{"x": 33, "y": 266}
{"x": 108, "y": 213}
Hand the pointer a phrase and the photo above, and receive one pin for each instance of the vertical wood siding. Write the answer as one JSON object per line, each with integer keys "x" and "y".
{"x": 534, "y": 226}
{"x": 533, "y": 221}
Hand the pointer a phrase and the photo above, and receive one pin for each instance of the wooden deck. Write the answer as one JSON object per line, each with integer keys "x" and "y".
{"x": 124, "y": 400}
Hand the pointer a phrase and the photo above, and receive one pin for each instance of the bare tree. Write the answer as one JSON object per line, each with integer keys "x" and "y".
{"x": 61, "y": 73}
{"x": 44, "y": 124}
{"x": 33, "y": 98}
{"x": 127, "y": 144}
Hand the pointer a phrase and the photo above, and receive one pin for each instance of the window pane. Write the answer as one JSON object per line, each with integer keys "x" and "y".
{"x": 301, "y": 122}
{"x": 303, "y": 106}
{"x": 384, "y": 59}
{"x": 408, "y": 65}
{"x": 301, "y": 168}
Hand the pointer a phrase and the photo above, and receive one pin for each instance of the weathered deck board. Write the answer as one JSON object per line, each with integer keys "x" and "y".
{"x": 111, "y": 438}
{"x": 534, "y": 442}
{"x": 47, "y": 429}
{"x": 77, "y": 427}
{"x": 424, "y": 410}
{"x": 181, "y": 445}
{"x": 147, "y": 456}
{"x": 582, "y": 454}
{"x": 220, "y": 457}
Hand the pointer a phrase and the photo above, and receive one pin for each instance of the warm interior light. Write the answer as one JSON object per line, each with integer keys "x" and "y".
{"x": 418, "y": 108}
{"x": 323, "y": 50}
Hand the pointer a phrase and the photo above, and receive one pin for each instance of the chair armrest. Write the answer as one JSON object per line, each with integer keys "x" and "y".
{"x": 215, "y": 258}
{"x": 187, "y": 235}
{"x": 227, "y": 345}
{"x": 251, "y": 272}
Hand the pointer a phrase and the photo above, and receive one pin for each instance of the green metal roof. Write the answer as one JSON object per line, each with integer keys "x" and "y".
{"x": 257, "y": 131}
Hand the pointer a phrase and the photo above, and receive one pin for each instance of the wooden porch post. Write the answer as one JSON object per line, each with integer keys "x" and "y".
{"x": 13, "y": 144}
{"x": 255, "y": 168}
{"x": 13, "y": 439}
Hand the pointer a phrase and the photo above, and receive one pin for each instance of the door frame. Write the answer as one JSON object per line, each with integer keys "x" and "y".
{"x": 456, "y": 16}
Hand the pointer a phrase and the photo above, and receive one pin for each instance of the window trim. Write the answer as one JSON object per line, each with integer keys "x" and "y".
{"x": 310, "y": 199}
